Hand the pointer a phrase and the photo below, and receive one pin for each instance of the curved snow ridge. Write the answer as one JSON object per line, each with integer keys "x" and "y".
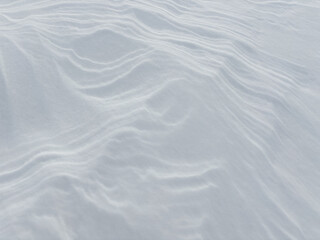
{"x": 159, "y": 119}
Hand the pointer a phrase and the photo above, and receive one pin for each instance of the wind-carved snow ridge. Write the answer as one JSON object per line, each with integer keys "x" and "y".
{"x": 159, "y": 119}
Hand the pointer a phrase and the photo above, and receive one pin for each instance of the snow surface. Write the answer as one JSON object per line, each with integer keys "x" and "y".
{"x": 160, "y": 119}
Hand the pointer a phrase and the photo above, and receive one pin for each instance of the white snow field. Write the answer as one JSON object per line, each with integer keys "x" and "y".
{"x": 159, "y": 120}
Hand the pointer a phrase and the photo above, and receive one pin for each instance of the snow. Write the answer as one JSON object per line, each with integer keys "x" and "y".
{"x": 162, "y": 120}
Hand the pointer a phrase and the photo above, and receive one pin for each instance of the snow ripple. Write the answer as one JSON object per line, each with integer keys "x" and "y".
{"x": 159, "y": 119}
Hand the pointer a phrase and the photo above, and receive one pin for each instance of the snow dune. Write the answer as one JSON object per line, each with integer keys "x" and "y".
{"x": 159, "y": 119}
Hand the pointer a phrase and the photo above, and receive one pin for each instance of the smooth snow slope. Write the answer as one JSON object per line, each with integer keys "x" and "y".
{"x": 160, "y": 119}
